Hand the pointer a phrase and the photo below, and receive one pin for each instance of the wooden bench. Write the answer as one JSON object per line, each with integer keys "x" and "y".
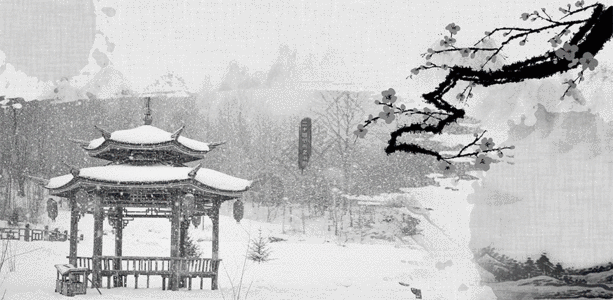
{"x": 119, "y": 268}
{"x": 71, "y": 281}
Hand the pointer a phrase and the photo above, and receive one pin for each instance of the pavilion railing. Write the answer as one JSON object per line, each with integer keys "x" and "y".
{"x": 148, "y": 265}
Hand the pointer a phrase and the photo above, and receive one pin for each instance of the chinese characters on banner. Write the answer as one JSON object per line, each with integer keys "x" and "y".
{"x": 304, "y": 143}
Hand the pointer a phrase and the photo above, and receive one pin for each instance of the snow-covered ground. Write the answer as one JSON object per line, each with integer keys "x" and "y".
{"x": 302, "y": 267}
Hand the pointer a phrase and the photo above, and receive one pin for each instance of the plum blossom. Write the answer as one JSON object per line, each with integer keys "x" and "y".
{"x": 483, "y": 162}
{"x": 487, "y": 144}
{"x": 361, "y": 131}
{"x": 387, "y": 115}
{"x": 588, "y": 61}
{"x": 465, "y": 52}
{"x": 446, "y": 167}
{"x": 555, "y": 41}
{"x": 453, "y": 28}
{"x": 388, "y": 96}
{"x": 571, "y": 83}
{"x": 447, "y": 42}
{"x": 567, "y": 52}
{"x": 525, "y": 16}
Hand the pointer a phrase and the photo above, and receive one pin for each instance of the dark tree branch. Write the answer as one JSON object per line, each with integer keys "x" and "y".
{"x": 590, "y": 37}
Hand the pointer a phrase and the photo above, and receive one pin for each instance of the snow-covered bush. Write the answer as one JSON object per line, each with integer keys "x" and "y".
{"x": 191, "y": 249}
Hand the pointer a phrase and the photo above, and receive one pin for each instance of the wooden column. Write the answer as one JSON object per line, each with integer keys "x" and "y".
{"x": 118, "y": 280}
{"x": 175, "y": 228}
{"x": 214, "y": 215}
{"x": 74, "y": 228}
{"x": 98, "y": 233}
{"x": 183, "y": 238}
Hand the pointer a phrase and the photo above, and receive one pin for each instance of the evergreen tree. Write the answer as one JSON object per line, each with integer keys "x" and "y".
{"x": 529, "y": 268}
{"x": 544, "y": 265}
{"x": 558, "y": 271}
{"x": 259, "y": 249}
{"x": 191, "y": 249}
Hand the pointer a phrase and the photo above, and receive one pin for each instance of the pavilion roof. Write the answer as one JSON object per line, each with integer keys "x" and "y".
{"x": 122, "y": 144}
{"x": 160, "y": 176}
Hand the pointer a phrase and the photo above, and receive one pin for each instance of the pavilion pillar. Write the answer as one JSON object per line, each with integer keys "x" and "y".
{"x": 182, "y": 241}
{"x": 98, "y": 233}
{"x": 74, "y": 228}
{"x": 175, "y": 235}
{"x": 183, "y": 237}
{"x": 118, "y": 226}
{"x": 214, "y": 215}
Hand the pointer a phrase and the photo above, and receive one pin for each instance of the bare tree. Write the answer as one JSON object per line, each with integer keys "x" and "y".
{"x": 339, "y": 112}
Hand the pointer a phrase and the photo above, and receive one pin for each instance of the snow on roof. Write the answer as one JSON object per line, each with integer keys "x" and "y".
{"x": 155, "y": 173}
{"x": 59, "y": 181}
{"x": 148, "y": 134}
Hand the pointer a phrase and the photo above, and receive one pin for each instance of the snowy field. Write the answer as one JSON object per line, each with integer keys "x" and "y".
{"x": 303, "y": 267}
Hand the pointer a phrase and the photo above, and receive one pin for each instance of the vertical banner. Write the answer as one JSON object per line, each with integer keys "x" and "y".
{"x": 304, "y": 143}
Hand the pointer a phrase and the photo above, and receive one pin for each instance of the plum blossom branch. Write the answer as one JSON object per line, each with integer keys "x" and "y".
{"x": 589, "y": 39}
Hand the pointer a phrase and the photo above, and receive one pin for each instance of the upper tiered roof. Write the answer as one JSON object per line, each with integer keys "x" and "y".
{"x": 147, "y": 143}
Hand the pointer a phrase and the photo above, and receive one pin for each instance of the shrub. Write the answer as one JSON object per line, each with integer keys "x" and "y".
{"x": 259, "y": 249}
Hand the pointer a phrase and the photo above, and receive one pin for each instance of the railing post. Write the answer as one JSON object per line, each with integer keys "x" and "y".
{"x": 26, "y": 234}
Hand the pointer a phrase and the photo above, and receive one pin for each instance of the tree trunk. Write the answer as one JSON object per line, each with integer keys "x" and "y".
{"x": 283, "y": 222}
{"x": 303, "y": 221}
{"x": 350, "y": 216}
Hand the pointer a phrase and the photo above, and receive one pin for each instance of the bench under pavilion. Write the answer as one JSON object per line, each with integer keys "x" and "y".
{"x": 146, "y": 178}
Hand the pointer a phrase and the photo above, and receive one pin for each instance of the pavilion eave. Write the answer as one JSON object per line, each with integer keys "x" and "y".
{"x": 110, "y": 149}
{"x": 186, "y": 185}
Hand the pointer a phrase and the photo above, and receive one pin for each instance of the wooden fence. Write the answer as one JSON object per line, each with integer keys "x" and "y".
{"x": 28, "y": 235}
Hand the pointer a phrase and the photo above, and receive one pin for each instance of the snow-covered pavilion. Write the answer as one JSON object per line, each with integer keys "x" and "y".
{"x": 146, "y": 178}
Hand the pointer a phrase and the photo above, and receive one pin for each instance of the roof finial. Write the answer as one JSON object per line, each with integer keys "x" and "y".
{"x": 73, "y": 170}
{"x": 148, "y": 118}
{"x": 194, "y": 171}
{"x": 177, "y": 133}
{"x": 105, "y": 134}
